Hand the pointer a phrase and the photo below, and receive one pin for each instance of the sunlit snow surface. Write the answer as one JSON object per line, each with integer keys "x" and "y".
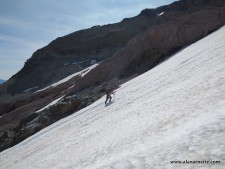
{"x": 175, "y": 111}
{"x": 50, "y": 104}
{"x": 81, "y": 73}
{"x": 161, "y": 14}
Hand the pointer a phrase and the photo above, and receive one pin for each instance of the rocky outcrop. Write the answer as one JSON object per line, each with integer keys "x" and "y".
{"x": 29, "y": 124}
{"x": 157, "y": 43}
{"x": 74, "y": 52}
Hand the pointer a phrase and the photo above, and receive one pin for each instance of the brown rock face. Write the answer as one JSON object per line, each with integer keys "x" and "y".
{"x": 158, "y": 42}
{"x": 74, "y": 52}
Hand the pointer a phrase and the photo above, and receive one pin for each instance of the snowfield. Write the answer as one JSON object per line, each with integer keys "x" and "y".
{"x": 175, "y": 111}
{"x": 80, "y": 73}
{"x": 50, "y": 104}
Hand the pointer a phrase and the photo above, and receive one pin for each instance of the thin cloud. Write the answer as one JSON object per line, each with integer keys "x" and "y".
{"x": 14, "y": 54}
{"x": 30, "y": 26}
{"x": 19, "y": 41}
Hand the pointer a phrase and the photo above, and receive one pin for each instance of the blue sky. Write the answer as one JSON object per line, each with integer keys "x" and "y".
{"x": 27, "y": 25}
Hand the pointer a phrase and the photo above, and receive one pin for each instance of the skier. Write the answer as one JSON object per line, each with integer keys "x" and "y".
{"x": 108, "y": 95}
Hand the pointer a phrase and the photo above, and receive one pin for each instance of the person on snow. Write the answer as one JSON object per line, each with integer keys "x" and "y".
{"x": 108, "y": 95}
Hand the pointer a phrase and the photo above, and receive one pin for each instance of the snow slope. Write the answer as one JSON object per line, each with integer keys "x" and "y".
{"x": 50, "y": 104}
{"x": 81, "y": 73}
{"x": 175, "y": 111}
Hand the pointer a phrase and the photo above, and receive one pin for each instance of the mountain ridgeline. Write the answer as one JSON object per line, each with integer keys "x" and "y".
{"x": 184, "y": 21}
{"x": 76, "y": 51}
{"x": 2, "y": 81}
{"x": 123, "y": 50}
